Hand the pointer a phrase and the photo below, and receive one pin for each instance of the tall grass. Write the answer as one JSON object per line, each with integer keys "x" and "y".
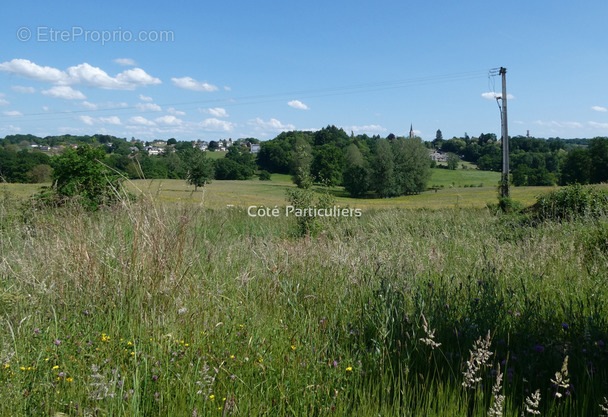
{"x": 148, "y": 309}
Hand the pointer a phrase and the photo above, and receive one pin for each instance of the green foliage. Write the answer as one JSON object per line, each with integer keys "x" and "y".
{"x": 264, "y": 176}
{"x": 572, "y": 202}
{"x": 577, "y": 167}
{"x": 81, "y": 173}
{"x": 301, "y": 161}
{"x": 453, "y": 161}
{"x": 199, "y": 168}
{"x": 327, "y": 165}
{"x": 308, "y": 201}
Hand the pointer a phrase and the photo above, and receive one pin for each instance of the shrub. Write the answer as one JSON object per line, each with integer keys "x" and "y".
{"x": 264, "y": 176}
{"x": 571, "y": 202}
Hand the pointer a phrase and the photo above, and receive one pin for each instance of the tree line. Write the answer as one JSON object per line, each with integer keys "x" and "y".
{"x": 364, "y": 165}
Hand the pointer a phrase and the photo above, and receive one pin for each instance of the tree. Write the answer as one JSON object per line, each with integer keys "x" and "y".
{"x": 356, "y": 173}
{"x": 411, "y": 166}
{"x": 598, "y": 149}
{"x": 171, "y": 141}
{"x": 438, "y": 135}
{"x": 41, "y": 173}
{"x": 327, "y": 165}
{"x": 577, "y": 167}
{"x": 383, "y": 169}
{"x": 82, "y": 173}
{"x": 199, "y": 168}
{"x": 452, "y": 160}
{"x": 301, "y": 160}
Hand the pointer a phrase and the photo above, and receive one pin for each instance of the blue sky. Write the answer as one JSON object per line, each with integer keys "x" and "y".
{"x": 232, "y": 69}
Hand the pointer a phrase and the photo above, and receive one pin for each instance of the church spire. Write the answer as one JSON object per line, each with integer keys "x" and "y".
{"x": 411, "y": 131}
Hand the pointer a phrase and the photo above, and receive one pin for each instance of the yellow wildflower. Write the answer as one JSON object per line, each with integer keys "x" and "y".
{"x": 349, "y": 369}
{"x": 56, "y": 367}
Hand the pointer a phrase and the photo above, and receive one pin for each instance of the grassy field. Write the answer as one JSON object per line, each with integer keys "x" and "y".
{"x": 158, "y": 307}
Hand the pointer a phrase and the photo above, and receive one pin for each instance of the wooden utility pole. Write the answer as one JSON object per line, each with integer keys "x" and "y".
{"x": 505, "y": 136}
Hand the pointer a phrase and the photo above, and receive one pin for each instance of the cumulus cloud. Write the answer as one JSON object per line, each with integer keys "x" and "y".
{"x": 23, "y": 90}
{"x": 173, "y": 111}
{"x": 216, "y": 125}
{"x": 106, "y": 105}
{"x": 297, "y": 104}
{"x": 145, "y": 98}
{"x": 369, "y": 129}
{"x": 270, "y": 125}
{"x": 599, "y": 108}
{"x": 65, "y": 92}
{"x": 27, "y": 69}
{"x": 215, "y": 111}
{"x": 84, "y": 74}
{"x": 139, "y": 120}
{"x": 493, "y": 96}
{"x": 13, "y": 113}
{"x": 189, "y": 83}
{"x": 126, "y": 62}
{"x": 112, "y": 120}
{"x": 168, "y": 120}
{"x": 3, "y": 102}
{"x": 148, "y": 107}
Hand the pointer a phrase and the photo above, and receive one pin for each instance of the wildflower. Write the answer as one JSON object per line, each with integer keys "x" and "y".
{"x": 6, "y": 366}
{"x": 496, "y": 409}
{"x": 561, "y": 378}
{"x": 479, "y": 357}
{"x": 22, "y": 368}
{"x": 565, "y": 326}
{"x": 430, "y": 335}
{"x": 335, "y": 364}
{"x": 532, "y": 403}
{"x": 349, "y": 369}
{"x": 36, "y": 330}
{"x": 212, "y": 397}
{"x": 56, "y": 367}
{"x": 182, "y": 310}
{"x": 105, "y": 337}
{"x": 57, "y": 342}
{"x": 293, "y": 347}
{"x": 604, "y": 407}
{"x": 539, "y": 348}
{"x": 69, "y": 379}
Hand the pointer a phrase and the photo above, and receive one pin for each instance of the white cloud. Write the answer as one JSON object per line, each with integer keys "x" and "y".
{"x": 112, "y": 120}
{"x": 369, "y": 129}
{"x": 145, "y": 98}
{"x": 297, "y": 104}
{"x": 553, "y": 123}
{"x": 598, "y": 125}
{"x": 106, "y": 105}
{"x": 271, "y": 125}
{"x": 27, "y": 69}
{"x": 4, "y": 102}
{"x": 87, "y": 120}
{"x": 189, "y": 83}
{"x": 24, "y": 90}
{"x": 139, "y": 120}
{"x": 148, "y": 107}
{"x": 65, "y": 92}
{"x": 173, "y": 111}
{"x": 226, "y": 88}
{"x": 127, "y": 62}
{"x": 599, "y": 108}
{"x": 13, "y": 113}
{"x": 80, "y": 74}
{"x": 168, "y": 120}
{"x": 493, "y": 96}
{"x": 215, "y": 111}
{"x": 216, "y": 125}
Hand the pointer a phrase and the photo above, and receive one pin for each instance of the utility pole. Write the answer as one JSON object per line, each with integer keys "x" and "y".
{"x": 505, "y": 136}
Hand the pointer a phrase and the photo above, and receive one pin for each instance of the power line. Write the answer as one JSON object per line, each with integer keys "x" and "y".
{"x": 266, "y": 98}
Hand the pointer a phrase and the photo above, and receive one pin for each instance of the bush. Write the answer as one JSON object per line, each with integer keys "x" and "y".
{"x": 571, "y": 202}
{"x": 264, "y": 176}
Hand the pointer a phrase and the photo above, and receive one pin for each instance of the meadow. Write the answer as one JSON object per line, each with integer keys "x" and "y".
{"x": 158, "y": 306}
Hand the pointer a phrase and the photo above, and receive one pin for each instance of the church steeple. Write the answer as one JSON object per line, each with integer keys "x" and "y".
{"x": 412, "y": 131}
